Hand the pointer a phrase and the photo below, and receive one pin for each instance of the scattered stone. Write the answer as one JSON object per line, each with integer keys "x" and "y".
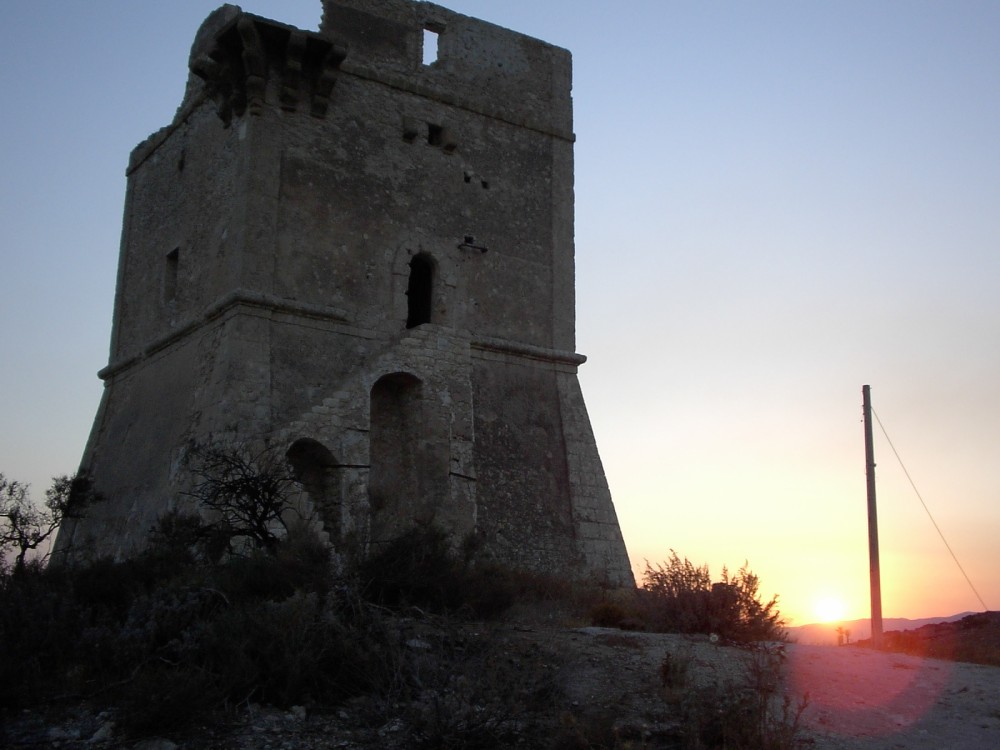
{"x": 393, "y": 727}
{"x": 61, "y": 734}
{"x": 104, "y": 734}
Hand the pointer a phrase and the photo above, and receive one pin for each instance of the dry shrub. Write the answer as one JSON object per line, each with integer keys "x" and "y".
{"x": 749, "y": 714}
{"x": 679, "y": 597}
{"x": 478, "y": 691}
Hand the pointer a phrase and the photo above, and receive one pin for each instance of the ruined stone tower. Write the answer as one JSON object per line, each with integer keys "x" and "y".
{"x": 357, "y": 245}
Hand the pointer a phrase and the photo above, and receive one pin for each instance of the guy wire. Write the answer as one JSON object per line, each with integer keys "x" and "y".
{"x": 927, "y": 510}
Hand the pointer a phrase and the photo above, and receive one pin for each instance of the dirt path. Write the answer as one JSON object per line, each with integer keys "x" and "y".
{"x": 876, "y": 701}
{"x": 858, "y": 699}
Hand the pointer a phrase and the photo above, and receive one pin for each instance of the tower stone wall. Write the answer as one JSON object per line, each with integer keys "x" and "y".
{"x": 365, "y": 260}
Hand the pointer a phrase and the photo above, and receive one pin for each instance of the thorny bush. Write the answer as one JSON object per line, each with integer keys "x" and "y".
{"x": 680, "y": 597}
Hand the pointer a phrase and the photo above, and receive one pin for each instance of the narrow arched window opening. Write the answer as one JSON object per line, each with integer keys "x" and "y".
{"x": 419, "y": 291}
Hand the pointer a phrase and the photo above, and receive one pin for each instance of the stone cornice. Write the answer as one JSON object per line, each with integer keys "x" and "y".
{"x": 272, "y": 305}
{"x": 239, "y": 298}
{"x": 527, "y": 351}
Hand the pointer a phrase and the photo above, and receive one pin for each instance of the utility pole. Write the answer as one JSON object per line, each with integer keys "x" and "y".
{"x": 873, "y": 566}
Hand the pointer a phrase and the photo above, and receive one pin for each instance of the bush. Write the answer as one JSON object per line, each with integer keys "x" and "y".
{"x": 749, "y": 714}
{"x": 417, "y": 569}
{"x": 196, "y": 651}
{"x": 679, "y": 597}
{"x": 167, "y": 639}
{"x": 469, "y": 687}
{"x": 39, "y": 626}
{"x": 420, "y": 569}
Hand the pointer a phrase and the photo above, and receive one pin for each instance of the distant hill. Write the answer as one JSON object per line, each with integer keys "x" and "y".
{"x": 975, "y": 638}
{"x": 825, "y": 633}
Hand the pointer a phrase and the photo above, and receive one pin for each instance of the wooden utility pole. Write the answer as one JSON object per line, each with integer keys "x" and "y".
{"x": 873, "y": 566}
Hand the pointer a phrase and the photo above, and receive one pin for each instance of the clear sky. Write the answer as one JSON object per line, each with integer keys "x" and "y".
{"x": 777, "y": 202}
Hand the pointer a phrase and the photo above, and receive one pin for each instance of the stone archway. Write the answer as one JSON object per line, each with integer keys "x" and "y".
{"x": 396, "y": 470}
{"x": 316, "y": 469}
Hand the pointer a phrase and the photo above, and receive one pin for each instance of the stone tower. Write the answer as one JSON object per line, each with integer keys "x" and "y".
{"x": 357, "y": 245}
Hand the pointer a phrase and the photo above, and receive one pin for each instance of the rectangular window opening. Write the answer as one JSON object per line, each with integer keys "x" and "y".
{"x": 170, "y": 275}
{"x": 431, "y": 37}
{"x": 435, "y": 134}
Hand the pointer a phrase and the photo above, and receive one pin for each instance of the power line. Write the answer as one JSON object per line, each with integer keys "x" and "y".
{"x": 928, "y": 511}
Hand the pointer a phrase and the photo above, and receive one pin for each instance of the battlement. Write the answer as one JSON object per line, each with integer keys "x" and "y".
{"x": 245, "y": 61}
{"x": 477, "y": 66}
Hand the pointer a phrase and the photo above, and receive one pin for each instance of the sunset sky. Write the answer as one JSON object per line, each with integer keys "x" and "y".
{"x": 777, "y": 203}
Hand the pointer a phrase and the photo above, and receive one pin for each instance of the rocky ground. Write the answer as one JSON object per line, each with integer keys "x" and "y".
{"x": 599, "y": 688}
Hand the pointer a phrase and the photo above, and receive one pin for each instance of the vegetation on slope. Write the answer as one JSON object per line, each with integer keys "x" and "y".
{"x": 212, "y": 617}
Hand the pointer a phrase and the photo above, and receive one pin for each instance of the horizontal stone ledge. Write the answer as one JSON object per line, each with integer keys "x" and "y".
{"x": 240, "y": 298}
{"x": 528, "y": 351}
{"x": 271, "y": 305}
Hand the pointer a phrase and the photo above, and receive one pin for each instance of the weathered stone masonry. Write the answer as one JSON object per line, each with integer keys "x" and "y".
{"x": 366, "y": 260}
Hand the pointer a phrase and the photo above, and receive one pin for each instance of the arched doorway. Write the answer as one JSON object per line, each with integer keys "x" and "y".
{"x": 315, "y": 468}
{"x": 395, "y": 476}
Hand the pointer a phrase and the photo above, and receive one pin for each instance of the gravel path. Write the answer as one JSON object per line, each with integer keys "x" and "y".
{"x": 876, "y": 701}
{"x": 858, "y": 699}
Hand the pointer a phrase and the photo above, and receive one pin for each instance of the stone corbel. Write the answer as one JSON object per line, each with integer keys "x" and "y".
{"x": 327, "y": 78}
{"x": 254, "y": 63}
{"x": 294, "y": 54}
{"x": 246, "y": 52}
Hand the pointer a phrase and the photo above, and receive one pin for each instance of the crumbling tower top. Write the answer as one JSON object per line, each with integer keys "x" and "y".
{"x": 478, "y": 66}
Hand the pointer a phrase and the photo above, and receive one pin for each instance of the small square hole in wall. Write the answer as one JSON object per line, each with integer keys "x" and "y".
{"x": 431, "y": 37}
{"x": 435, "y": 134}
{"x": 411, "y": 128}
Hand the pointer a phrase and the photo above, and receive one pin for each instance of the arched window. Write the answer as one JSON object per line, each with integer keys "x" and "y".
{"x": 419, "y": 292}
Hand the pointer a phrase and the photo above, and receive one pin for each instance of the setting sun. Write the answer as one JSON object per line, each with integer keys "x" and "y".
{"x": 829, "y": 609}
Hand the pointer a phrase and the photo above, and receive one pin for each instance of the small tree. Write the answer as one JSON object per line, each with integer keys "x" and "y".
{"x": 24, "y": 527}
{"x": 248, "y": 491}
